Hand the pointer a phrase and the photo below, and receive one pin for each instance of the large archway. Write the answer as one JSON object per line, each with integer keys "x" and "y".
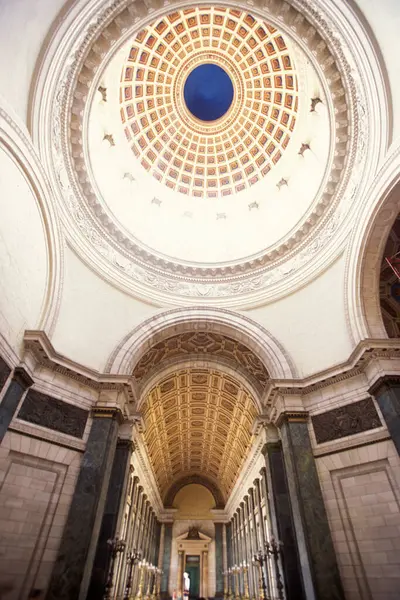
{"x": 367, "y": 251}
{"x": 258, "y": 341}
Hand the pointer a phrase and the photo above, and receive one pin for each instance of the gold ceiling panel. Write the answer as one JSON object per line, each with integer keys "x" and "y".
{"x": 209, "y": 158}
{"x": 198, "y": 422}
{"x": 205, "y": 343}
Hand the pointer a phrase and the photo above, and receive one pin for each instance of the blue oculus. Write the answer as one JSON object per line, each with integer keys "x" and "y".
{"x": 208, "y": 92}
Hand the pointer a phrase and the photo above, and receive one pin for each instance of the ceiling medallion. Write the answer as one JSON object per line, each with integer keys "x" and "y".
{"x": 138, "y": 269}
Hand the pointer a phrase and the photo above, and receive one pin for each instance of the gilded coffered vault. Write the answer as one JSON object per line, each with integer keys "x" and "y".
{"x": 205, "y": 344}
{"x": 198, "y": 422}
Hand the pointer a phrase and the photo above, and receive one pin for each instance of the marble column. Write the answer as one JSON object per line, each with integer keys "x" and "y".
{"x": 161, "y": 547}
{"x": 387, "y": 394}
{"x": 262, "y": 538}
{"x": 219, "y": 561}
{"x": 166, "y": 560}
{"x": 129, "y": 537}
{"x": 284, "y": 521}
{"x": 205, "y": 574}
{"x": 250, "y": 547}
{"x": 181, "y": 566}
{"x": 73, "y": 567}
{"x": 234, "y": 543}
{"x": 115, "y": 496}
{"x": 319, "y": 570}
{"x": 255, "y": 569}
{"x": 17, "y": 386}
{"x": 245, "y": 557}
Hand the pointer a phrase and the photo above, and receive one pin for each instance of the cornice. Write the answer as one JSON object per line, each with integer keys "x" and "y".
{"x": 39, "y": 346}
{"x": 365, "y": 352}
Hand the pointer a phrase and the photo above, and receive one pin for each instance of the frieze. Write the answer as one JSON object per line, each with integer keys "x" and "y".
{"x": 51, "y": 413}
{"x": 231, "y": 282}
{"x": 346, "y": 420}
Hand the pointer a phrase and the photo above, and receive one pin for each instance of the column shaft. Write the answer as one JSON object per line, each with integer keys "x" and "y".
{"x": 205, "y": 574}
{"x": 219, "y": 561}
{"x": 387, "y": 394}
{"x": 72, "y": 570}
{"x": 261, "y": 531}
{"x": 319, "y": 568}
{"x": 18, "y": 384}
{"x": 115, "y": 496}
{"x": 284, "y": 521}
{"x": 166, "y": 560}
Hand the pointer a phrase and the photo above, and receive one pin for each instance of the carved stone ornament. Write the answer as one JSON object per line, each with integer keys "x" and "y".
{"x": 51, "y": 413}
{"x": 118, "y": 256}
{"x": 346, "y": 420}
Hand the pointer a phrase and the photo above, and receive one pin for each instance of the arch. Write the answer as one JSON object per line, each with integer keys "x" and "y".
{"x": 381, "y": 207}
{"x": 182, "y": 320}
{"x": 15, "y": 139}
{"x": 200, "y": 480}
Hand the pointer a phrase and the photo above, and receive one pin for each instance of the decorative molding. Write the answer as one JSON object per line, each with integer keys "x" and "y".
{"x": 22, "y": 377}
{"x": 345, "y": 420}
{"x": 287, "y": 265}
{"x": 15, "y": 139}
{"x": 237, "y": 326}
{"x": 207, "y": 343}
{"x": 107, "y": 412}
{"x": 385, "y": 382}
{"x": 39, "y": 346}
{"x": 363, "y": 355}
{"x": 47, "y": 435}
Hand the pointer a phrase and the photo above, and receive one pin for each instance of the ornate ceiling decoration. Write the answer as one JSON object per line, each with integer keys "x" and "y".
{"x": 234, "y": 152}
{"x": 352, "y": 96}
{"x": 202, "y": 344}
{"x": 389, "y": 284}
{"x": 198, "y": 422}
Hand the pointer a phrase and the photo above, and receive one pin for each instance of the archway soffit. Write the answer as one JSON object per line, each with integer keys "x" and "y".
{"x": 240, "y": 328}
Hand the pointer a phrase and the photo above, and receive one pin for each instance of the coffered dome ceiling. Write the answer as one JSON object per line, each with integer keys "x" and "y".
{"x": 181, "y": 206}
{"x": 198, "y": 422}
{"x": 209, "y": 157}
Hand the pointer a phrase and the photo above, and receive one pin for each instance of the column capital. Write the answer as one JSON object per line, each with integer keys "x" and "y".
{"x": 300, "y": 416}
{"x": 385, "y": 382}
{"x": 21, "y": 376}
{"x": 126, "y": 443}
{"x": 107, "y": 412}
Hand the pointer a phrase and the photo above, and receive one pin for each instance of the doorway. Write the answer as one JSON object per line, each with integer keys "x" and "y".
{"x": 192, "y": 567}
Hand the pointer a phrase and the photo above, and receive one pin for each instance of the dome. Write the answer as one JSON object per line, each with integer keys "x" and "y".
{"x": 153, "y": 159}
{"x": 178, "y": 201}
{"x": 209, "y": 157}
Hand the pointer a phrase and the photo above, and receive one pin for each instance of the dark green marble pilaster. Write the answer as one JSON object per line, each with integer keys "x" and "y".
{"x": 284, "y": 521}
{"x": 17, "y": 385}
{"x": 229, "y": 553}
{"x": 387, "y": 394}
{"x": 116, "y": 493}
{"x": 166, "y": 560}
{"x": 73, "y": 567}
{"x": 319, "y": 570}
{"x": 219, "y": 561}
